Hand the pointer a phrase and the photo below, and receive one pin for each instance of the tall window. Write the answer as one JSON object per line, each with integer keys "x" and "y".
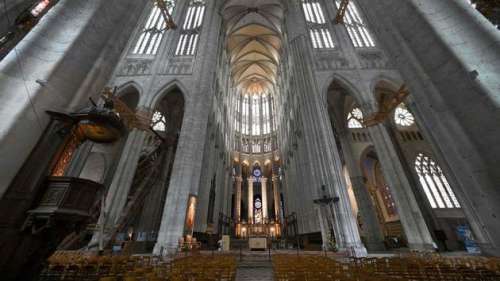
{"x": 256, "y": 115}
{"x": 266, "y": 118}
{"x": 435, "y": 185}
{"x": 237, "y": 116}
{"x": 318, "y": 29}
{"x": 385, "y": 193}
{"x": 191, "y": 27}
{"x": 356, "y": 27}
{"x": 355, "y": 119}
{"x": 245, "y": 116}
{"x": 153, "y": 31}
{"x": 257, "y": 146}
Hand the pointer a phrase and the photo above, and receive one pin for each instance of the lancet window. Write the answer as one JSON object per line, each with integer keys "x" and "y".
{"x": 321, "y": 37}
{"x": 434, "y": 183}
{"x": 153, "y": 31}
{"x": 190, "y": 29}
{"x": 356, "y": 27}
{"x": 245, "y": 116}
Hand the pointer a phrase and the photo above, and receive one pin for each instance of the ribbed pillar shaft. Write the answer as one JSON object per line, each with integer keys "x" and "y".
{"x": 416, "y": 231}
{"x": 263, "y": 184}
{"x": 276, "y": 196}
{"x": 250, "y": 199}
{"x": 118, "y": 192}
{"x": 238, "y": 198}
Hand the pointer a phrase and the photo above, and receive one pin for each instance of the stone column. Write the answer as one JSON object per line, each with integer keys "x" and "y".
{"x": 276, "y": 195}
{"x": 263, "y": 185}
{"x": 47, "y": 75}
{"x": 250, "y": 199}
{"x": 238, "y": 198}
{"x": 318, "y": 137}
{"x": 416, "y": 230}
{"x": 118, "y": 191}
{"x": 370, "y": 223}
{"x": 188, "y": 164}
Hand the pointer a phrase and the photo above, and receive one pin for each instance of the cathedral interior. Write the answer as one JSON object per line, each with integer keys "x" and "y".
{"x": 172, "y": 130}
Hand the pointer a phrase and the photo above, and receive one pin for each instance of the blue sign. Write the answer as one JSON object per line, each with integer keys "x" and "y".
{"x": 465, "y": 234}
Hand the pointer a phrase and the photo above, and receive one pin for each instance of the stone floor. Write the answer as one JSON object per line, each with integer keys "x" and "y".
{"x": 254, "y": 267}
{"x": 254, "y": 274}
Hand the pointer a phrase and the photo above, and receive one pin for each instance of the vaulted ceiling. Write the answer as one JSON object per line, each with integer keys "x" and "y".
{"x": 253, "y": 32}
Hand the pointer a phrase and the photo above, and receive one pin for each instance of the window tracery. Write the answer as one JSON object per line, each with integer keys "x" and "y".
{"x": 159, "y": 122}
{"x": 154, "y": 29}
{"x": 434, "y": 183}
{"x": 356, "y": 27}
{"x": 403, "y": 117}
{"x": 190, "y": 31}
{"x": 318, "y": 28}
{"x": 355, "y": 119}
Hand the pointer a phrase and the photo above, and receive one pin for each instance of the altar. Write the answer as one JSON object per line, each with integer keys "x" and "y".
{"x": 257, "y": 243}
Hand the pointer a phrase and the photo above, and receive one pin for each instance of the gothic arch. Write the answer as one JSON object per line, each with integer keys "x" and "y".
{"x": 166, "y": 89}
{"x": 345, "y": 83}
{"x": 393, "y": 83}
{"x": 130, "y": 93}
{"x": 340, "y": 98}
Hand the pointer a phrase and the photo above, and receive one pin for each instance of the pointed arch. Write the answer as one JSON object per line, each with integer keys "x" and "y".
{"x": 345, "y": 83}
{"x": 391, "y": 83}
{"x": 130, "y": 93}
{"x": 167, "y": 88}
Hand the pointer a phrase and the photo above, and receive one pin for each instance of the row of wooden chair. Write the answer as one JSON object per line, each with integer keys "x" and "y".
{"x": 418, "y": 268}
{"x": 81, "y": 266}
{"x": 206, "y": 268}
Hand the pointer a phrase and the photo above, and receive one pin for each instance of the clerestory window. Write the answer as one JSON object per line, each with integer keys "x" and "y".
{"x": 190, "y": 29}
{"x": 356, "y": 27}
{"x": 321, "y": 37}
{"x": 153, "y": 31}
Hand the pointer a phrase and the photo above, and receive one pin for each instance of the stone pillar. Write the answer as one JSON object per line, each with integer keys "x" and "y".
{"x": 317, "y": 134}
{"x": 188, "y": 164}
{"x": 276, "y": 195}
{"x": 370, "y": 223}
{"x": 45, "y": 72}
{"x": 250, "y": 199}
{"x": 416, "y": 230}
{"x": 118, "y": 191}
{"x": 263, "y": 185}
{"x": 238, "y": 198}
